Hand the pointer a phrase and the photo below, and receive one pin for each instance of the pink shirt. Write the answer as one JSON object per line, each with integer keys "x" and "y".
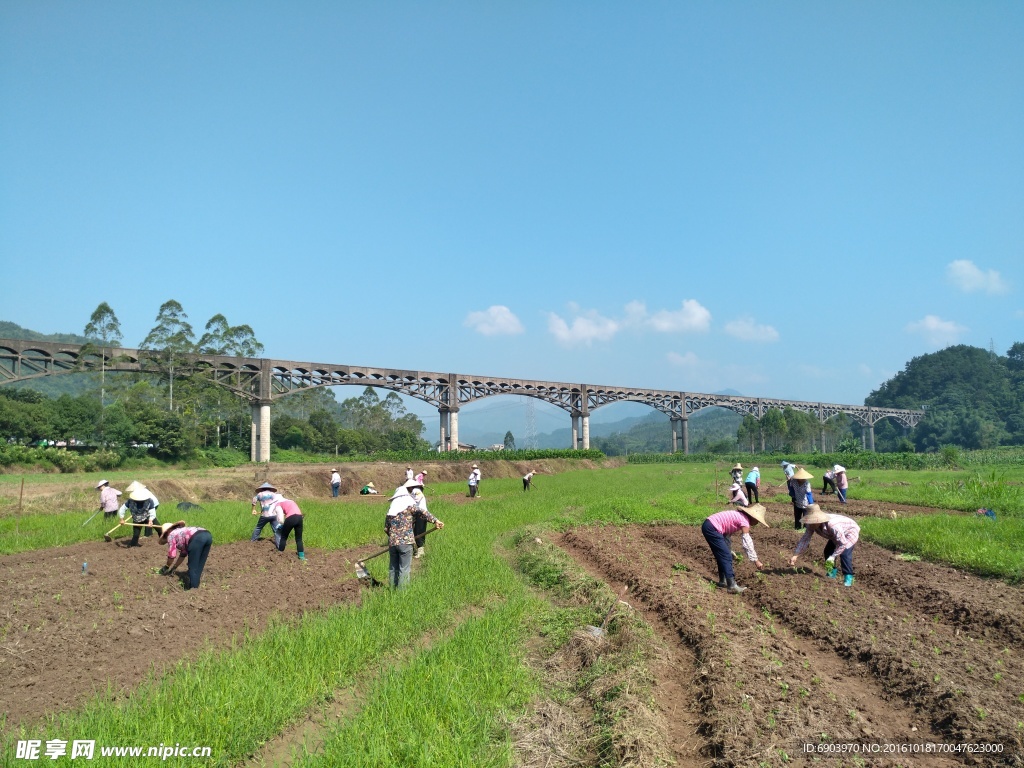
{"x": 178, "y": 539}
{"x": 288, "y": 507}
{"x": 730, "y": 521}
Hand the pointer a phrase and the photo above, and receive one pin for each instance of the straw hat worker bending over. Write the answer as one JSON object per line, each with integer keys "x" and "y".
{"x": 718, "y": 530}
{"x": 842, "y": 534}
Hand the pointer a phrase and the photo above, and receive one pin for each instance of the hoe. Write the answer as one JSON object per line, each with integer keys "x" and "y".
{"x": 364, "y": 575}
{"x": 108, "y": 537}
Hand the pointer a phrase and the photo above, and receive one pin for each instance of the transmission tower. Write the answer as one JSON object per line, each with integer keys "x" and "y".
{"x": 531, "y": 425}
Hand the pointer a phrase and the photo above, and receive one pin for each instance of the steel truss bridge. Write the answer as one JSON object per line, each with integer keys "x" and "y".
{"x": 260, "y": 381}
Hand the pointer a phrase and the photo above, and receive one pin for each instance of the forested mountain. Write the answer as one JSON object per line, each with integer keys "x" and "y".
{"x": 972, "y": 397}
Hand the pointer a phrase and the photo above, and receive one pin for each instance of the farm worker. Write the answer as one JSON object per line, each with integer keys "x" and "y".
{"x": 108, "y": 498}
{"x": 408, "y": 474}
{"x": 528, "y": 479}
{"x": 135, "y": 485}
{"x": 419, "y": 523}
{"x": 421, "y": 478}
{"x": 827, "y": 480}
{"x": 474, "y": 481}
{"x": 737, "y": 473}
{"x": 841, "y": 482}
{"x": 398, "y": 525}
{"x": 842, "y": 534}
{"x": 718, "y": 530}
{"x": 800, "y": 485}
{"x": 335, "y": 483}
{"x": 736, "y": 495}
{"x": 788, "y": 470}
{"x": 143, "y": 511}
{"x": 753, "y": 484}
{"x": 266, "y": 497}
{"x": 368, "y": 490}
{"x": 183, "y": 541}
{"x": 289, "y": 518}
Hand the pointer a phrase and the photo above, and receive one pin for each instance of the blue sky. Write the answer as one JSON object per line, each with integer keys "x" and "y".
{"x": 784, "y": 199}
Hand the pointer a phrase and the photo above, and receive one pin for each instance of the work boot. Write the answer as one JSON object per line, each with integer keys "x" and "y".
{"x": 734, "y": 588}
{"x": 848, "y": 580}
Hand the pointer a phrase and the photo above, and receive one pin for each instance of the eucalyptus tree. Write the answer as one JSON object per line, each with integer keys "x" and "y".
{"x": 170, "y": 340}
{"x": 222, "y": 338}
{"x": 104, "y": 327}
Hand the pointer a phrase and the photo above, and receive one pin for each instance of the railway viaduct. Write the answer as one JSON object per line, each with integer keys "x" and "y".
{"x": 260, "y": 381}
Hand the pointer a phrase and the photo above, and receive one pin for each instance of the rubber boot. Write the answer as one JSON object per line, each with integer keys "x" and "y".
{"x": 302, "y": 555}
{"x": 419, "y": 553}
{"x": 848, "y": 580}
{"x": 734, "y": 588}
{"x": 722, "y": 583}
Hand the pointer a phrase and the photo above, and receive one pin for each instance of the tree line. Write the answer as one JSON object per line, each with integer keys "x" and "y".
{"x": 174, "y": 412}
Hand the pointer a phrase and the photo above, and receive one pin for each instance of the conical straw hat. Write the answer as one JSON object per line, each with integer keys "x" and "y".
{"x": 756, "y": 511}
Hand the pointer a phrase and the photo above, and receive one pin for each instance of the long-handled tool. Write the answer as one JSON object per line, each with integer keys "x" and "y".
{"x": 108, "y": 537}
{"x": 364, "y": 575}
{"x": 90, "y": 519}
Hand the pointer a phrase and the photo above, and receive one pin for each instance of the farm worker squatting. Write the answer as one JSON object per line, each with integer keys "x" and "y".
{"x": 142, "y": 506}
{"x": 718, "y": 530}
{"x": 842, "y": 534}
{"x": 753, "y": 484}
{"x": 108, "y": 498}
{"x": 183, "y": 541}
{"x": 289, "y": 518}
{"x": 335, "y": 483}
{"x": 266, "y": 497}
{"x": 737, "y": 496}
{"x": 398, "y": 525}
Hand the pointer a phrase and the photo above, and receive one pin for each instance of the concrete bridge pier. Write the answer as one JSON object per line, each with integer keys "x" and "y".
{"x": 453, "y": 427}
{"x": 674, "y": 423}
{"x": 443, "y": 436}
{"x": 585, "y": 418}
{"x": 260, "y": 450}
{"x": 686, "y": 433}
{"x": 575, "y": 430}
{"x": 871, "y": 437}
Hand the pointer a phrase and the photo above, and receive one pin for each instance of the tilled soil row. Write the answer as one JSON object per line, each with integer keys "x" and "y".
{"x": 762, "y": 692}
{"x": 966, "y": 687}
{"x": 65, "y": 633}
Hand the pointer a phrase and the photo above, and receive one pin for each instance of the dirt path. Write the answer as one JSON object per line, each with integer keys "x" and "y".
{"x": 799, "y": 659}
{"x": 65, "y": 634}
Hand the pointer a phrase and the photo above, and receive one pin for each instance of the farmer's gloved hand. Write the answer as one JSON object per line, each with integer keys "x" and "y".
{"x": 164, "y": 570}
{"x": 831, "y": 562}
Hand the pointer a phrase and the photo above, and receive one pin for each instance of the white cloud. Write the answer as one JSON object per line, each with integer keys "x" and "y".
{"x": 494, "y": 321}
{"x": 589, "y": 326}
{"x": 585, "y": 329}
{"x": 746, "y": 329}
{"x": 966, "y": 276}
{"x": 691, "y": 316}
{"x": 936, "y": 331}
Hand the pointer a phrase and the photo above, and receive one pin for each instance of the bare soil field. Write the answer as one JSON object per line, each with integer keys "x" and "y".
{"x": 65, "y": 634}
{"x": 913, "y": 652}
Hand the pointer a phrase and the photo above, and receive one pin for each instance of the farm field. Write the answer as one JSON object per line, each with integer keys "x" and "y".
{"x": 276, "y": 662}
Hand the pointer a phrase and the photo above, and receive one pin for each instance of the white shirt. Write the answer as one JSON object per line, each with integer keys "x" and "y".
{"x": 335, "y": 479}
